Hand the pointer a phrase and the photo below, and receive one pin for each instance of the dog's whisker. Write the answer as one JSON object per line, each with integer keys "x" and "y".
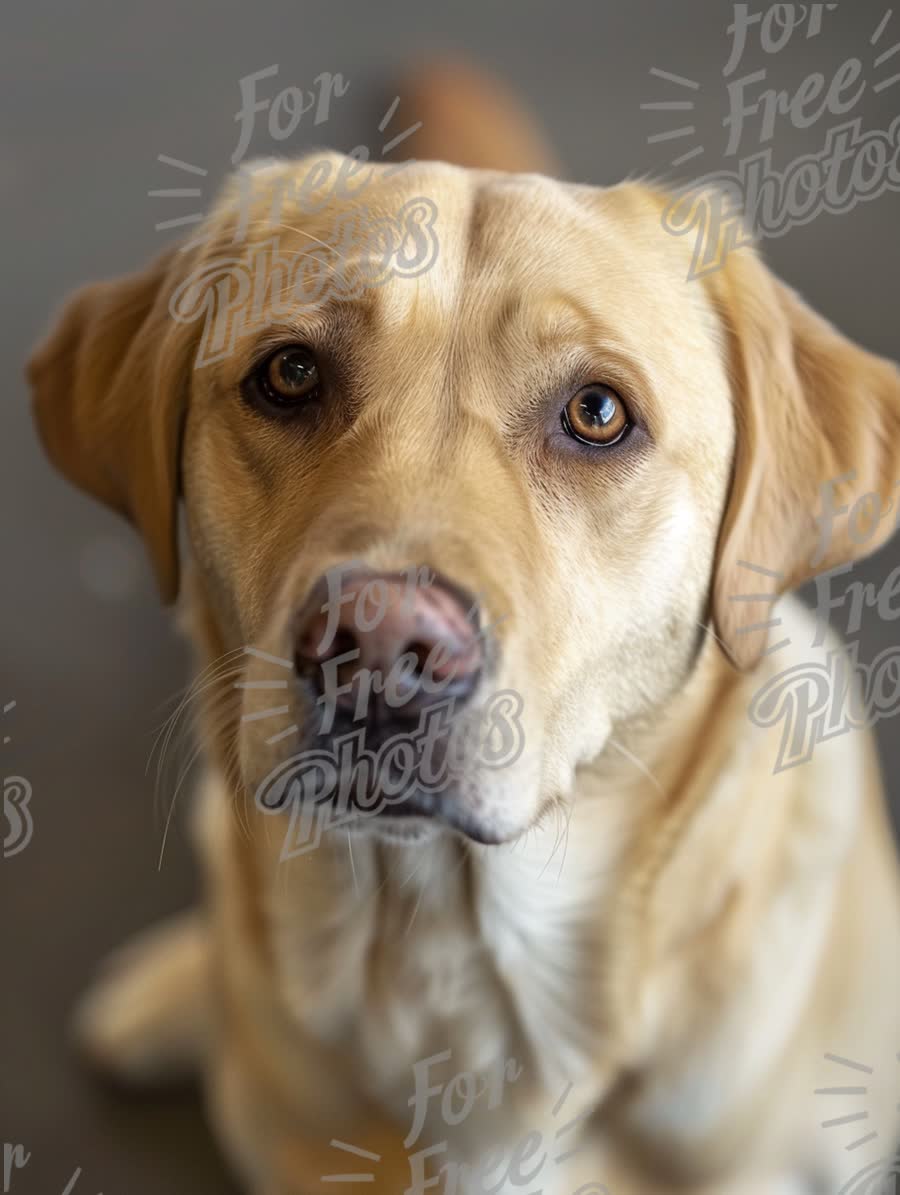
{"x": 352, "y": 864}
{"x": 412, "y": 875}
{"x": 183, "y": 727}
{"x": 184, "y": 695}
{"x": 302, "y": 253}
{"x": 638, "y": 763}
{"x": 569, "y": 815}
{"x": 218, "y": 720}
{"x": 209, "y": 674}
{"x": 269, "y": 223}
{"x": 559, "y": 836}
{"x": 219, "y": 716}
{"x": 198, "y": 751}
{"x": 707, "y": 627}
{"x": 415, "y": 910}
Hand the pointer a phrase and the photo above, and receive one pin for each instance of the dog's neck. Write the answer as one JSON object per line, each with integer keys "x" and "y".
{"x": 537, "y": 949}
{"x": 534, "y": 948}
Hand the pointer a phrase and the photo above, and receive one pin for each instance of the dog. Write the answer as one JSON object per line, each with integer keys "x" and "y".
{"x": 537, "y": 464}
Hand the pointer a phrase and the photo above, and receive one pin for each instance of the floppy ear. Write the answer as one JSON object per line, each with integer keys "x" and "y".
{"x": 109, "y": 387}
{"x": 813, "y": 410}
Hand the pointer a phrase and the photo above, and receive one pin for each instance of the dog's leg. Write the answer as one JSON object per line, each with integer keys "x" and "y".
{"x": 147, "y": 1017}
{"x": 297, "y": 1166}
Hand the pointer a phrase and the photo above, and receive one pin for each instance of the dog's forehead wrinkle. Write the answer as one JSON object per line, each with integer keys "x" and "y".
{"x": 565, "y": 253}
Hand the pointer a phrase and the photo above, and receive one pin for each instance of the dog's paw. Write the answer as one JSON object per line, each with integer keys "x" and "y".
{"x": 145, "y": 1019}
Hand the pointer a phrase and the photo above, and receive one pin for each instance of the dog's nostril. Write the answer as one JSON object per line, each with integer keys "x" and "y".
{"x": 313, "y": 652}
{"x": 344, "y": 643}
{"x": 305, "y": 667}
{"x": 424, "y": 654}
{"x": 408, "y": 649}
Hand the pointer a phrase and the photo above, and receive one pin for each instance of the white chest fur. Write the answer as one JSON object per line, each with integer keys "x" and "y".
{"x": 494, "y": 954}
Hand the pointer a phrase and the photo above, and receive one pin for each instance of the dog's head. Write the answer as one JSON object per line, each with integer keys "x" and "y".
{"x": 468, "y": 464}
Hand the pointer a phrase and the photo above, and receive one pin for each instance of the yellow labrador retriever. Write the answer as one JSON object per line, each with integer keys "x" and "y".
{"x": 461, "y": 447}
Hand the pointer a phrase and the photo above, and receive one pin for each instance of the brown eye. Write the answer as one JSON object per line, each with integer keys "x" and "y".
{"x": 596, "y": 415}
{"x": 286, "y": 380}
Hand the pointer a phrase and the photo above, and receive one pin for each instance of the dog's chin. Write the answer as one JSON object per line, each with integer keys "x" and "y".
{"x": 422, "y": 817}
{"x": 399, "y": 831}
{"x": 386, "y": 808}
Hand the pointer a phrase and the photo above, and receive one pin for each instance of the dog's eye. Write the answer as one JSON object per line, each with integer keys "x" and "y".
{"x": 596, "y": 415}
{"x": 286, "y": 380}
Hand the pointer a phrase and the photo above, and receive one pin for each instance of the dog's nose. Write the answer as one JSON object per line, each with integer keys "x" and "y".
{"x": 388, "y": 641}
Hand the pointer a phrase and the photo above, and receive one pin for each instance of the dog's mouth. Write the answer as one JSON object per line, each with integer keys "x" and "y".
{"x": 366, "y": 778}
{"x": 389, "y": 778}
{"x": 436, "y": 809}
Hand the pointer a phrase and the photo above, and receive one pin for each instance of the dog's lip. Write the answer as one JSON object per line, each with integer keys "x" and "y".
{"x": 433, "y": 807}
{"x": 423, "y": 806}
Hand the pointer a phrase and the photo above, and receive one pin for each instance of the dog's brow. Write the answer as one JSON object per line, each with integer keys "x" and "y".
{"x": 327, "y": 321}
{"x": 545, "y": 316}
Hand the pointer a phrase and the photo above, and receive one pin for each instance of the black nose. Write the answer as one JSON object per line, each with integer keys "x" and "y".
{"x": 383, "y": 648}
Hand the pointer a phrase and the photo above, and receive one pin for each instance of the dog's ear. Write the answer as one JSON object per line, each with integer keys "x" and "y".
{"x": 109, "y": 387}
{"x": 812, "y": 410}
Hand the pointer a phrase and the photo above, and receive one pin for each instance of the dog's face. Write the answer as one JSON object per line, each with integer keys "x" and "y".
{"x": 505, "y": 492}
{"x": 444, "y": 424}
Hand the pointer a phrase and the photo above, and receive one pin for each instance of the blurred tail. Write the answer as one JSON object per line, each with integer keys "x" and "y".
{"x": 471, "y": 119}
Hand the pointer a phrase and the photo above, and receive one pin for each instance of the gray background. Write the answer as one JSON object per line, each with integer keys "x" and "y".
{"x": 90, "y": 94}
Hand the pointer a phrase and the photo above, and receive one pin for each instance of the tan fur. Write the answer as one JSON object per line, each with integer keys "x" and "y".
{"x": 670, "y": 927}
